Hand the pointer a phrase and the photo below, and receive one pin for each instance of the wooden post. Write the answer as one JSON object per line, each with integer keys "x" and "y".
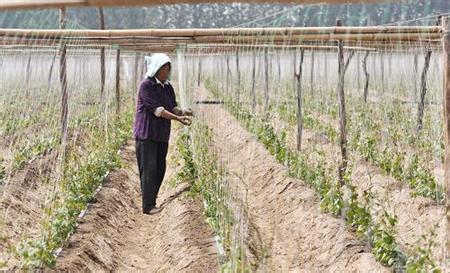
{"x": 279, "y": 70}
{"x": 367, "y": 76}
{"x": 101, "y": 19}
{"x": 63, "y": 79}
{"x": 28, "y": 75}
{"x": 253, "y": 82}
{"x": 238, "y": 75}
{"x": 50, "y": 73}
{"x": 118, "y": 82}
{"x": 312, "y": 74}
{"x": 416, "y": 70}
{"x": 227, "y": 79}
{"x": 382, "y": 70}
{"x": 342, "y": 67}
{"x": 199, "y": 69}
{"x": 423, "y": 91}
{"x": 266, "y": 76}
{"x": 423, "y": 86}
{"x": 358, "y": 61}
{"x": 446, "y": 66}
{"x": 298, "y": 78}
{"x": 326, "y": 75}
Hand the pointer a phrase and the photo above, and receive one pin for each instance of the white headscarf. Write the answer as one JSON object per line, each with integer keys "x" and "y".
{"x": 154, "y": 63}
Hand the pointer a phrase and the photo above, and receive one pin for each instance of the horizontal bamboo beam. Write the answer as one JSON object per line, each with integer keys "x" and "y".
{"x": 239, "y": 32}
{"x": 39, "y": 4}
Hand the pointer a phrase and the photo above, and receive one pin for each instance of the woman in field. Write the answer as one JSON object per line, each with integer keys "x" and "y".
{"x": 156, "y": 107}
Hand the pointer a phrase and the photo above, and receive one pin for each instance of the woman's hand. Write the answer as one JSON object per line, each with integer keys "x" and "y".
{"x": 187, "y": 112}
{"x": 185, "y": 120}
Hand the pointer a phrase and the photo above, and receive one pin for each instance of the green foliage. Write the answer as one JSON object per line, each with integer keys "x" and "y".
{"x": 39, "y": 145}
{"x": 384, "y": 247}
{"x": 421, "y": 260}
{"x": 320, "y": 177}
{"x": 200, "y": 168}
{"x": 422, "y": 181}
{"x": 82, "y": 176}
{"x": 188, "y": 172}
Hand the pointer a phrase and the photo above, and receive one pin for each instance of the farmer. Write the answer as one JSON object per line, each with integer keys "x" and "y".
{"x": 156, "y": 107}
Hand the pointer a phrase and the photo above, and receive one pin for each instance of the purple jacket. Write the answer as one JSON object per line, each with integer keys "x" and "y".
{"x": 151, "y": 96}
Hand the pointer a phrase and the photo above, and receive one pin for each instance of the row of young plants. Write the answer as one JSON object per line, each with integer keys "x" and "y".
{"x": 200, "y": 167}
{"x": 365, "y": 137}
{"x": 312, "y": 167}
{"x": 45, "y": 138}
{"x": 82, "y": 173}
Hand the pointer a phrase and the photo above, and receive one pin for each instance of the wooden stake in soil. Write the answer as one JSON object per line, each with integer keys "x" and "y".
{"x": 63, "y": 79}
{"x": 423, "y": 87}
{"x": 28, "y": 75}
{"x": 266, "y": 78}
{"x": 118, "y": 82}
{"x": 238, "y": 75}
{"x": 416, "y": 70}
{"x": 423, "y": 91}
{"x": 227, "y": 79}
{"x": 312, "y": 74}
{"x": 298, "y": 78}
{"x": 101, "y": 19}
{"x": 50, "y": 73}
{"x": 199, "y": 70}
{"x": 367, "y": 76}
{"x": 342, "y": 68}
{"x": 446, "y": 66}
{"x": 253, "y": 82}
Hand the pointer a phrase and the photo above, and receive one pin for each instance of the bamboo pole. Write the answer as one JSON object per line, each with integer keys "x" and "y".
{"x": 142, "y": 44}
{"x": 286, "y": 32}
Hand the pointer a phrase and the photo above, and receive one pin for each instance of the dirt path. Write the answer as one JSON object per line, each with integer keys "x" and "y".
{"x": 116, "y": 235}
{"x": 417, "y": 216}
{"x": 288, "y": 231}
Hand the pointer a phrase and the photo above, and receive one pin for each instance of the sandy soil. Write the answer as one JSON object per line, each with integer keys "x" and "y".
{"x": 23, "y": 198}
{"x": 115, "y": 235}
{"x": 417, "y": 216}
{"x": 288, "y": 231}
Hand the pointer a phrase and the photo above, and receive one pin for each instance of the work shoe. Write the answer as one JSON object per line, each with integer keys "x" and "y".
{"x": 152, "y": 210}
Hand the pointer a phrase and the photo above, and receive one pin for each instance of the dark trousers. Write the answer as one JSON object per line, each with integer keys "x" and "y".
{"x": 151, "y": 159}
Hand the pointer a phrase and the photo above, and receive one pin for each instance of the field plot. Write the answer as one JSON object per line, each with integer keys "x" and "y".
{"x": 311, "y": 149}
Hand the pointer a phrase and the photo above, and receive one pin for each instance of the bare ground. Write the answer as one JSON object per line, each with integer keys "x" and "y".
{"x": 417, "y": 216}
{"x": 287, "y": 231}
{"x": 115, "y": 235}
